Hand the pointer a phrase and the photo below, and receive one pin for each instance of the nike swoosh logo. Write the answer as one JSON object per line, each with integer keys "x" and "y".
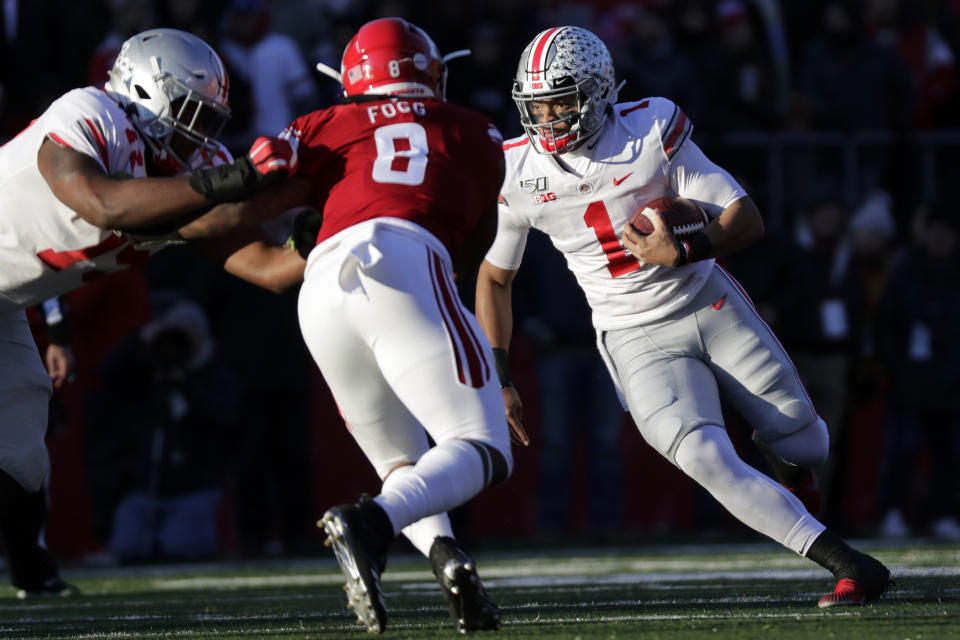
{"x": 617, "y": 181}
{"x": 719, "y": 303}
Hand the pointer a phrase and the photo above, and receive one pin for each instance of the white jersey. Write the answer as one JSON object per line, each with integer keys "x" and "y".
{"x": 643, "y": 152}
{"x": 46, "y": 249}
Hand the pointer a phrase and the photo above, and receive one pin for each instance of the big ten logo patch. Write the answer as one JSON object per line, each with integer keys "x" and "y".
{"x": 540, "y": 198}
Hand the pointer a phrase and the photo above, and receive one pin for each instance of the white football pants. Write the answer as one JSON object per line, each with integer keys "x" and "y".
{"x": 671, "y": 372}
{"x": 403, "y": 357}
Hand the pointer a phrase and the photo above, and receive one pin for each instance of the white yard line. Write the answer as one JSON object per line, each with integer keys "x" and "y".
{"x": 535, "y": 577}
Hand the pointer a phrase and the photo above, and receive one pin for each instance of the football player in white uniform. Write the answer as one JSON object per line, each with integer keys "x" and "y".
{"x": 159, "y": 114}
{"x": 675, "y": 329}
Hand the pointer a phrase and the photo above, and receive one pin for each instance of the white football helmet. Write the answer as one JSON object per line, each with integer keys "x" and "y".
{"x": 560, "y": 62}
{"x": 172, "y": 82}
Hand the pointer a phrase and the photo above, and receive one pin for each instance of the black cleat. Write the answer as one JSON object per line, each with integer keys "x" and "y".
{"x": 799, "y": 481}
{"x": 470, "y": 606}
{"x": 359, "y": 540}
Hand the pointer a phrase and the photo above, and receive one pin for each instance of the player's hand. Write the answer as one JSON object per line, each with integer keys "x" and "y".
{"x": 306, "y": 228}
{"x": 514, "y": 409}
{"x": 272, "y": 157}
{"x": 660, "y": 247}
{"x": 268, "y": 160}
{"x": 60, "y": 364}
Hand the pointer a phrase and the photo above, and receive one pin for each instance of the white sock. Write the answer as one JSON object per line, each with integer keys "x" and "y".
{"x": 708, "y": 456}
{"x": 444, "y": 477}
{"x": 424, "y": 531}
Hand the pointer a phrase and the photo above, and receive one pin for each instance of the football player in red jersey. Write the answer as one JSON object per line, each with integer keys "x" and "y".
{"x": 407, "y": 185}
{"x": 59, "y": 208}
{"x": 674, "y": 328}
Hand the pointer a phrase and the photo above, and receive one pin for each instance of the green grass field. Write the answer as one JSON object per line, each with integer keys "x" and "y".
{"x": 676, "y": 592}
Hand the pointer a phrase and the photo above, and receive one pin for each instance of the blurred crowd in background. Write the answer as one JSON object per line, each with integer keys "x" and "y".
{"x": 197, "y": 425}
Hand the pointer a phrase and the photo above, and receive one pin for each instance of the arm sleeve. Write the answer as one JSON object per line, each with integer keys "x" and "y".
{"x": 694, "y": 176}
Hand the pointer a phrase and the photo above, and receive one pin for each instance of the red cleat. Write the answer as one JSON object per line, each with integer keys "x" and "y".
{"x": 850, "y": 592}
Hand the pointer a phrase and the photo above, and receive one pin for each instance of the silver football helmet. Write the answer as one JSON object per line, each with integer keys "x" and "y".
{"x": 562, "y": 62}
{"x": 171, "y": 82}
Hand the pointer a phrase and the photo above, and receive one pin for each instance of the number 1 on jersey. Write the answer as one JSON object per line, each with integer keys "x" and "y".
{"x": 618, "y": 262}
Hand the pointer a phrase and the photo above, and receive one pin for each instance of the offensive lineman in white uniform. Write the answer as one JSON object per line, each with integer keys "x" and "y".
{"x": 674, "y": 328}
{"x": 167, "y": 97}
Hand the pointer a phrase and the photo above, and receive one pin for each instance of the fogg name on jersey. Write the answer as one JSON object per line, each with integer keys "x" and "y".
{"x": 392, "y": 108}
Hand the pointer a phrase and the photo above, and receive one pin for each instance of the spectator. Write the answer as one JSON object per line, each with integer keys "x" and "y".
{"x": 918, "y": 344}
{"x": 168, "y": 402}
{"x": 39, "y": 41}
{"x": 660, "y": 67}
{"x": 271, "y": 81}
{"x": 199, "y": 17}
{"x": 850, "y": 81}
{"x": 741, "y": 69}
{"x": 825, "y": 333}
{"x": 911, "y": 28}
{"x": 272, "y": 467}
{"x": 127, "y": 17}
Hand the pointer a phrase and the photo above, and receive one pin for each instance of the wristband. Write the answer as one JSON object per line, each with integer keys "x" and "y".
{"x": 227, "y": 182}
{"x": 502, "y": 363}
{"x": 693, "y": 248}
{"x": 683, "y": 254}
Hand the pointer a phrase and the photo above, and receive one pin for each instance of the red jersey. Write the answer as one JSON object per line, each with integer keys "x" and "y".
{"x": 430, "y": 162}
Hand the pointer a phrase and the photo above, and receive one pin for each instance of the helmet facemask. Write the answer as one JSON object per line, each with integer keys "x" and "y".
{"x": 582, "y": 121}
{"x": 191, "y": 116}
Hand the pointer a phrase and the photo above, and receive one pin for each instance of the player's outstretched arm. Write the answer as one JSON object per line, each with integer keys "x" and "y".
{"x": 261, "y": 207}
{"x": 495, "y": 315}
{"x": 249, "y": 255}
{"x": 80, "y": 183}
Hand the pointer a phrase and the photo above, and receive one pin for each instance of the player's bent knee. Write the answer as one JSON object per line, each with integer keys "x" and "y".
{"x": 497, "y": 464}
{"x": 806, "y": 447}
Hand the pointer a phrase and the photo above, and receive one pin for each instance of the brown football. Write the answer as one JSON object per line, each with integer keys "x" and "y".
{"x": 681, "y": 215}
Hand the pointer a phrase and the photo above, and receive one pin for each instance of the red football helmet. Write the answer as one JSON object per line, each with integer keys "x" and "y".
{"x": 391, "y": 57}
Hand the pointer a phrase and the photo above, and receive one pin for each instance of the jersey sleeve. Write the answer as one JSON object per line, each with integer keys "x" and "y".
{"x": 87, "y": 127}
{"x": 302, "y": 135}
{"x": 673, "y": 125}
{"x": 506, "y": 251}
{"x": 694, "y": 176}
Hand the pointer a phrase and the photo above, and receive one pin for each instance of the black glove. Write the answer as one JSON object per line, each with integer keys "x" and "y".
{"x": 269, "y": 159}
{"x": 306, "y": 228}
